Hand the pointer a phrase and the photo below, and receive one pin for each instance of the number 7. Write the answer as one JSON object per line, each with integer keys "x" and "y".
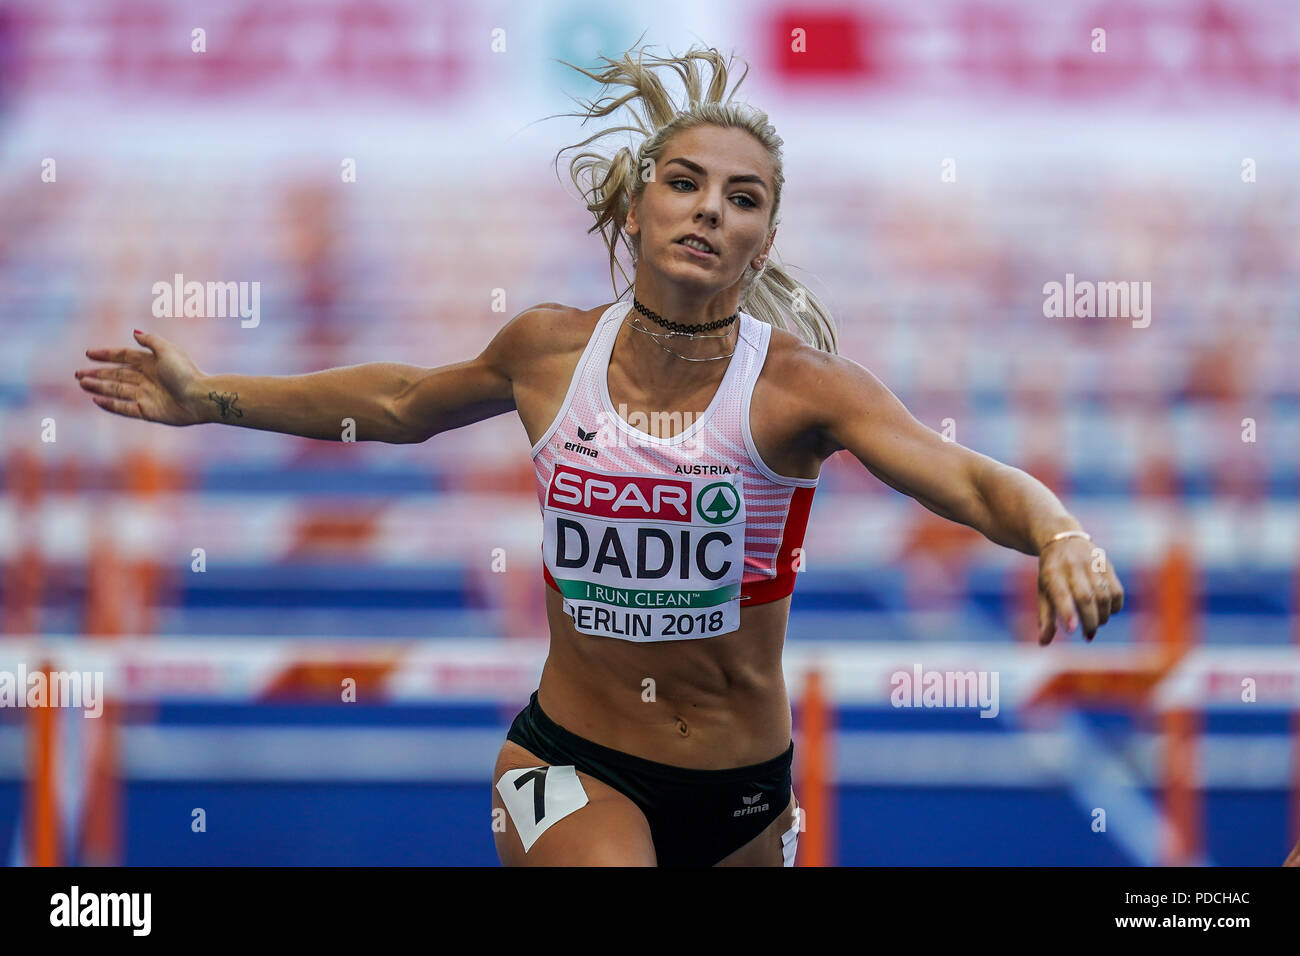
{"x": 539, "y": 790}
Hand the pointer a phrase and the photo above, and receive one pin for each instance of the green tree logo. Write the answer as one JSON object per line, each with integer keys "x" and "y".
{"x": 718, "y": 502}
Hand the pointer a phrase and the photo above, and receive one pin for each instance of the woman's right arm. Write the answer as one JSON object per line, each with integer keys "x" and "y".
{"x": 371, "y": 396}
{"x": 387, "y": 401}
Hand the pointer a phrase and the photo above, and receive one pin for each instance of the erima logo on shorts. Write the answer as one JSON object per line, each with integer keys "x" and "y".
{"x": 751, "y": 805}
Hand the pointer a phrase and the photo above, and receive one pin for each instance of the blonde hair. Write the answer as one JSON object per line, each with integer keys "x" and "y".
{"x": 608, "y": 184}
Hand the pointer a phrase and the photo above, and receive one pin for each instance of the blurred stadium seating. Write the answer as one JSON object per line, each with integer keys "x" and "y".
{"x": 350, "y": 548}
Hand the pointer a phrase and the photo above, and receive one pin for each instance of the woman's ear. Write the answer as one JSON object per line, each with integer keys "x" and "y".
{"x": 763, "y": 253}
{"x": 630, "y": 225}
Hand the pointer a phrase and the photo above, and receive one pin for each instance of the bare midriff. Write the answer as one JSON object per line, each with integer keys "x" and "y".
{"x": 707, "y": 704}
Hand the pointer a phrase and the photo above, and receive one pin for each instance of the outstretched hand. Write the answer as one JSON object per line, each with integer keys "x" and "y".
{"x": 152, "y": 384}
{"x": 1077, "y": 584}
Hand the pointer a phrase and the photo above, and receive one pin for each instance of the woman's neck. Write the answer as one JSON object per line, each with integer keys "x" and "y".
{"x": 657, "y": 361}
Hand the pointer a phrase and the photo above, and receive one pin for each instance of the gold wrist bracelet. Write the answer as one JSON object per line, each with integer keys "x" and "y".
{"x": 1065, "y": 534}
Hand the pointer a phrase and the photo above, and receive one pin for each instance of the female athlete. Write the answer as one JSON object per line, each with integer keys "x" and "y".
{"x": 660, "y": 732}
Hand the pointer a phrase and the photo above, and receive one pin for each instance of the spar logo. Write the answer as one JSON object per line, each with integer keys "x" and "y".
{"x": 630, "y": 496}
{"x": 718, "y": 503}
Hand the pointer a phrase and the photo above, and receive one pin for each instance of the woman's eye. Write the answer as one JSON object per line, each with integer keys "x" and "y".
{"x": 749, "y": 203}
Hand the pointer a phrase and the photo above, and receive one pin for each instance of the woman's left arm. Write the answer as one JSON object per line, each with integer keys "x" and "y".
{"x": 855, "y": 411}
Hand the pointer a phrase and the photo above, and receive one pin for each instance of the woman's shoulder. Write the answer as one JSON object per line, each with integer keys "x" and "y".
{"x": 553, "y": 326}
{"x": 794, "y": 363}
{"x": 796, "y": 383}
{"x": 545, "y": 328}
{"x": 542, "y": 334}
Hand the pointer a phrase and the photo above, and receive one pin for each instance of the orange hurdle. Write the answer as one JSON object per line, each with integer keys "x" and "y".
{"x": 44, "y": 845}
{"x": 1175, "y": 628}
{"x": 119, "y": 599}
{"x": 813, "y": 787}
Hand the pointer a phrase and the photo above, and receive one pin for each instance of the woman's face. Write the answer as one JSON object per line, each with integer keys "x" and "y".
{"x": 711, "y": 182}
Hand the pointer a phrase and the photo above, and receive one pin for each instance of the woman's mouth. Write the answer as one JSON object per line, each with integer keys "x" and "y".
{"x": 696, "y": 249}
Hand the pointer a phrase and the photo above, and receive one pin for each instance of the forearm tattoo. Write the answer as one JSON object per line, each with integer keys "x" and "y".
{"x": 227, "y": 402}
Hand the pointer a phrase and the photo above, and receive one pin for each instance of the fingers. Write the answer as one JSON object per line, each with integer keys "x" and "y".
{"x": 1107, "y": 588}
{"x": 1076, "y": 590}
{"x": 1085, "y": 599}
{"x": 1046, "y": 619}
{"x": 118, "y": 373}
{"x": 1116, "y": 591}
{"x": 131, "y": 357}
{"x": 127, "y": 391}
{"x": 1108, "y": 594}
{"x": 1061, "y": 603}
{"x": 119, "y": 406}
{"x": 1100, "y": 586}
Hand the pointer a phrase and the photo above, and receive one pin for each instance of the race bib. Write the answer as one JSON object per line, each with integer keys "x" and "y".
{"x": 646, "y": 557}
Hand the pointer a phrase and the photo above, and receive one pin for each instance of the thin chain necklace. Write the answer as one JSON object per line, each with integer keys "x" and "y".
{"x": 718, "y": 323}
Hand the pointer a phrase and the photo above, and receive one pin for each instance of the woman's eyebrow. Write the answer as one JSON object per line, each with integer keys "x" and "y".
{"x": 697, "y": 168}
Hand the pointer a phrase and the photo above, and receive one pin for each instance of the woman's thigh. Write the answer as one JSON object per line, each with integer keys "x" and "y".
{"x": 768, "y": 848}
{"x": 583, "y": 823}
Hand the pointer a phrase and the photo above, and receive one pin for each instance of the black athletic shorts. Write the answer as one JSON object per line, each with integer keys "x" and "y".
{"x": 697, "y": 817}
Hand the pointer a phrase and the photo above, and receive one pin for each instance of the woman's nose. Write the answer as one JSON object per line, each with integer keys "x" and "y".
{"x": 708, "y": 210}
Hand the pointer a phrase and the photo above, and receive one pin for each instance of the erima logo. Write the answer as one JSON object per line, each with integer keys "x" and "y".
{"x": 751, "y": 805}
{"x": 582, "y": 449}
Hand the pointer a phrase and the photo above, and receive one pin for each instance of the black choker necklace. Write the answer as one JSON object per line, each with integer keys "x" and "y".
{"x": 679, "y": 327}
